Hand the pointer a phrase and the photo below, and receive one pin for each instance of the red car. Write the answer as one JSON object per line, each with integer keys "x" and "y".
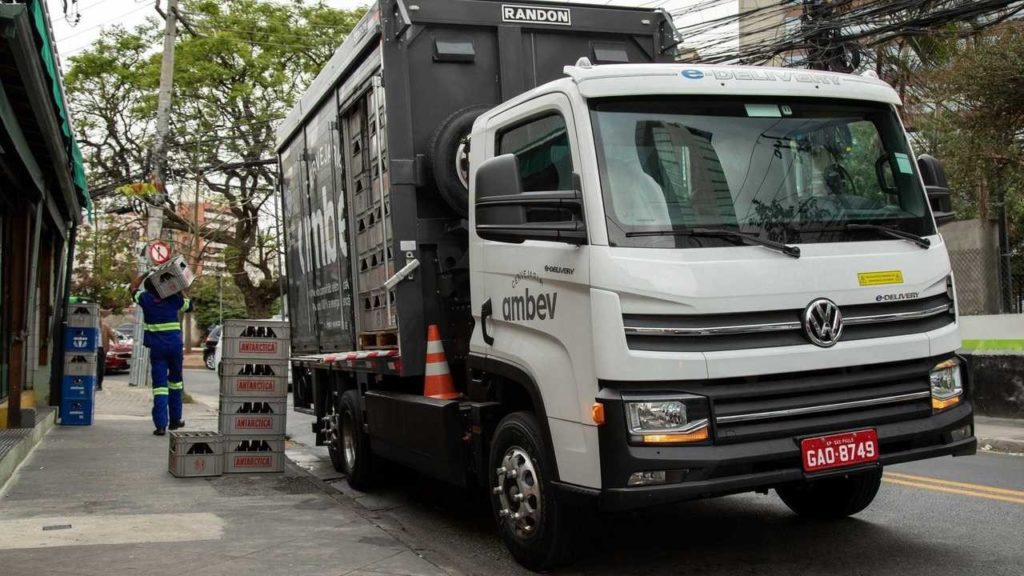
{"x": 119, "y": 357}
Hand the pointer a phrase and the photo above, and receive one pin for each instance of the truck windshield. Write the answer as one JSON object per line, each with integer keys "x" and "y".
{"x": 785, "y": 170}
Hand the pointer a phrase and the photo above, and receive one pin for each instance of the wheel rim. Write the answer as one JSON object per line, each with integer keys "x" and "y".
{"x": 333, "y": 430}
{"x": 462, "y": 163}
{"x": 519, "y": 493}
{"x": 209, "y": 362}
{"x": 348, "y": 444}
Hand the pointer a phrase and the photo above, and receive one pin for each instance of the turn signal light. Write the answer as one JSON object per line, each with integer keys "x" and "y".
{"x": 695, "y": 436}
{"x": 942, "y": 404}
{"x": 597, "y": 413}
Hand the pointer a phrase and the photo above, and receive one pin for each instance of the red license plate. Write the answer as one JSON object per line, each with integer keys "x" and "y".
{"x": 839, "y": 450}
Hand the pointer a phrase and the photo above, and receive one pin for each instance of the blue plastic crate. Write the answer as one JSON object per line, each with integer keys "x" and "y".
{"x": 78, "y": 388}
{"x": 77, "y": 340}
{"x": 76, "y": 412}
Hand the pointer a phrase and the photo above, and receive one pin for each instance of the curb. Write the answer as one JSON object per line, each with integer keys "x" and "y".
{"x": 1001, "y": 445}
{"x": 10, "y": 461}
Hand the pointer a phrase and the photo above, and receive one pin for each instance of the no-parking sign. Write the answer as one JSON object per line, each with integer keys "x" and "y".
{"x": 159, "y": 252}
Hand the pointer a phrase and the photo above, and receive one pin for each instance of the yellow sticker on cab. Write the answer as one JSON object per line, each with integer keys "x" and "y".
{"x": 880, "y": 278}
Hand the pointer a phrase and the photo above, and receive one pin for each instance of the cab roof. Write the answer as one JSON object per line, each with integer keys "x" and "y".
{"x": 686, "y": 79}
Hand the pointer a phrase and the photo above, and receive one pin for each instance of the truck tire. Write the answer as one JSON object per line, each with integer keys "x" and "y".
{"x": 832, "y": 498}
{"x": 355, "y": 444}
{"x": 449, "y": 160}
{"x": 534, "y": 525}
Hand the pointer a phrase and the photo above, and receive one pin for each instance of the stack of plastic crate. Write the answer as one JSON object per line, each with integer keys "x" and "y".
{"x": 254, "y": 394}
{"x": 81, "y": 342}
{"x": 366, "y": 147}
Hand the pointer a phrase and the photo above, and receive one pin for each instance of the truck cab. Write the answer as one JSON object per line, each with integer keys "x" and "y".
{"x": 714, "y": 280}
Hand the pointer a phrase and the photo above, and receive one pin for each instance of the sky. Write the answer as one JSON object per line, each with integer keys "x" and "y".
{"x": 96, "y": 14}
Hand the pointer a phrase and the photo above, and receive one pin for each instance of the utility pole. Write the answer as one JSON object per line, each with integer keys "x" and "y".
{"x": 823, "y": 36}
{"x": 158, "y": 160}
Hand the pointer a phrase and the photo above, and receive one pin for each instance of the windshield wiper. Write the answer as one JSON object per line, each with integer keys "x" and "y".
{"x": 893, "y": 232}
{"x": 793, "y": 251}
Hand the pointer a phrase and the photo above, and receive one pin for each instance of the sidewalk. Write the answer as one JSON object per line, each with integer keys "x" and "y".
{"x": 999, "y": 434}
{"x": 99, "y": 501}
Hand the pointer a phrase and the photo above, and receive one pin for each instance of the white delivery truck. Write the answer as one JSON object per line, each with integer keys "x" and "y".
{"x": 652, "y": 282}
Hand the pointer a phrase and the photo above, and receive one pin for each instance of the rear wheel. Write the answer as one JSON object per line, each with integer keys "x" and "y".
{"x": 354, "y": 443}
{"x": 534, "y": 525}
{"x": 832, "y": 498}
{"x": 209, "y": 360}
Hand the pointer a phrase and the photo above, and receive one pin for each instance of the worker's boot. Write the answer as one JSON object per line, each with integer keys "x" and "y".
{"x": 176, "y": 425}
{"x": 159, "y": 432}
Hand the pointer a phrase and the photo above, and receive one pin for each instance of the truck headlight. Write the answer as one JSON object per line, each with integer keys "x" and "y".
{"x": 947, "y": 385}
{"x": 668, "y": 421}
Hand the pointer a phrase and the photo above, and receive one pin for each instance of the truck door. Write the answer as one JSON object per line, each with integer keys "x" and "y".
{"x": 537, "y": 291}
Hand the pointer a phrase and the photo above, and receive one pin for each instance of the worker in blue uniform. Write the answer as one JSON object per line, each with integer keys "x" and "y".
{"x": 163, "y": 338}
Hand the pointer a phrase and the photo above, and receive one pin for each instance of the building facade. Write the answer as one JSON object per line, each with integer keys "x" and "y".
{"x": 42, "y": 194}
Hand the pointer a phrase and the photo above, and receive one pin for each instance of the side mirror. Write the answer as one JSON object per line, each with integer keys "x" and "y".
{"x": 937, "y": 187}
{"x": 507, "y": 214}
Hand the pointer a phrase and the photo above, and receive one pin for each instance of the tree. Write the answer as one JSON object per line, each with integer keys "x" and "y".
{"x": 111, "y": 91}
{"x": 977, "y": 125}
{"x": 234, "y": 81}
{"x": 206, "y": 295}
{"x": 105, "y": 263}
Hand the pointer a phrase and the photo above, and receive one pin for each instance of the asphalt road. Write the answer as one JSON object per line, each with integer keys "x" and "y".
{"x": 936, "y": 517}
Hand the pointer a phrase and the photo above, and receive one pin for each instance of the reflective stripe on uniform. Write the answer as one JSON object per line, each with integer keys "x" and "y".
{"x": 164, "y": 327}
{"x": 185, "y": 303}
{"x": 137, "y": 296}
{"x": 176, "y": 385}
{"x": 161, "y": 391}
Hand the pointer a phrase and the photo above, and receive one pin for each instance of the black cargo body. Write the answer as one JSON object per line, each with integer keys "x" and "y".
{"x": 368, "y": 164}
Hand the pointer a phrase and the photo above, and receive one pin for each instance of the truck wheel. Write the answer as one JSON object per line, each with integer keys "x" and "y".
{"x": 532, "y": 522}
{"x": 332, "y": 428}
{"x": 449, "y": 157}
{"x": 354, "y": 443}
{"x": 832, "y": 498}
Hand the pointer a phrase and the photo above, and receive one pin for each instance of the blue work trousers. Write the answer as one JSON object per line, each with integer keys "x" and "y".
{"x": 168, "y": 386}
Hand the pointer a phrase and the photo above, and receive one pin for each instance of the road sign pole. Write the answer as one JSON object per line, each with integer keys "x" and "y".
{"x": 154, "y": 224}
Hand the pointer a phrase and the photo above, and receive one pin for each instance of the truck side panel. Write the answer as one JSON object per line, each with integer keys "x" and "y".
{"x": 328, "y": 246}
{"x": 295, "y": 208}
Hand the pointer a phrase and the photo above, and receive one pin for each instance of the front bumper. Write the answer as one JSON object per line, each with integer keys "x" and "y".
{"x": 118, "y": 363}
{"x": 758, "y": 455}
{"x": 721, "y": 470}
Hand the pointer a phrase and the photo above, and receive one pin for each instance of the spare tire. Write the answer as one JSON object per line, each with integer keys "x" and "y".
{"x": 449, "y": 157}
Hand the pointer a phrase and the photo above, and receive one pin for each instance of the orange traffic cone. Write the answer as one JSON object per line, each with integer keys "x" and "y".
{"x": 437, "y": 380}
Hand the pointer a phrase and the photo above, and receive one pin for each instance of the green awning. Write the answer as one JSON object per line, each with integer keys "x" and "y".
{"x": 50, "y": 64}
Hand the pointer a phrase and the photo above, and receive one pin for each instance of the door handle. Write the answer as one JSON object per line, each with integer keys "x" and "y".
{"x": 486, "y": 312}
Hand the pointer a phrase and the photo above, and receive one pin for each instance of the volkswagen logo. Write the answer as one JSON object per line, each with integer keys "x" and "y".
{"x": 823, "y": 322}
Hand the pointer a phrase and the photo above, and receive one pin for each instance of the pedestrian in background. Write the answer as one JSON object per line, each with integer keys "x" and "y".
{"x": 106, "y": 336}
{"x": 163, "y": 338}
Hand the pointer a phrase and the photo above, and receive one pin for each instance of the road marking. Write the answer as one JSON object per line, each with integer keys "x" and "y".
{"x": 96, "y": 529}
{"x": 959, "y": 488}
{"x": 966, "y": 485}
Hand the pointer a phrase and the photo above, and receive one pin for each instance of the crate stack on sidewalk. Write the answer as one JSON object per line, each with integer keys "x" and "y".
{"x": 81, "y": 344}
{"x": 253, "y": 394}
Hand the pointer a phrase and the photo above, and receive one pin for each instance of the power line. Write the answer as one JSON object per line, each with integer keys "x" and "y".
{"x": 111, "y": 20}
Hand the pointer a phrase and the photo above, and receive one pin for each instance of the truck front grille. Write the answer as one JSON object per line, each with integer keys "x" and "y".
{"x": 818, "y": 402}
{"x": 750, "y": 330}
